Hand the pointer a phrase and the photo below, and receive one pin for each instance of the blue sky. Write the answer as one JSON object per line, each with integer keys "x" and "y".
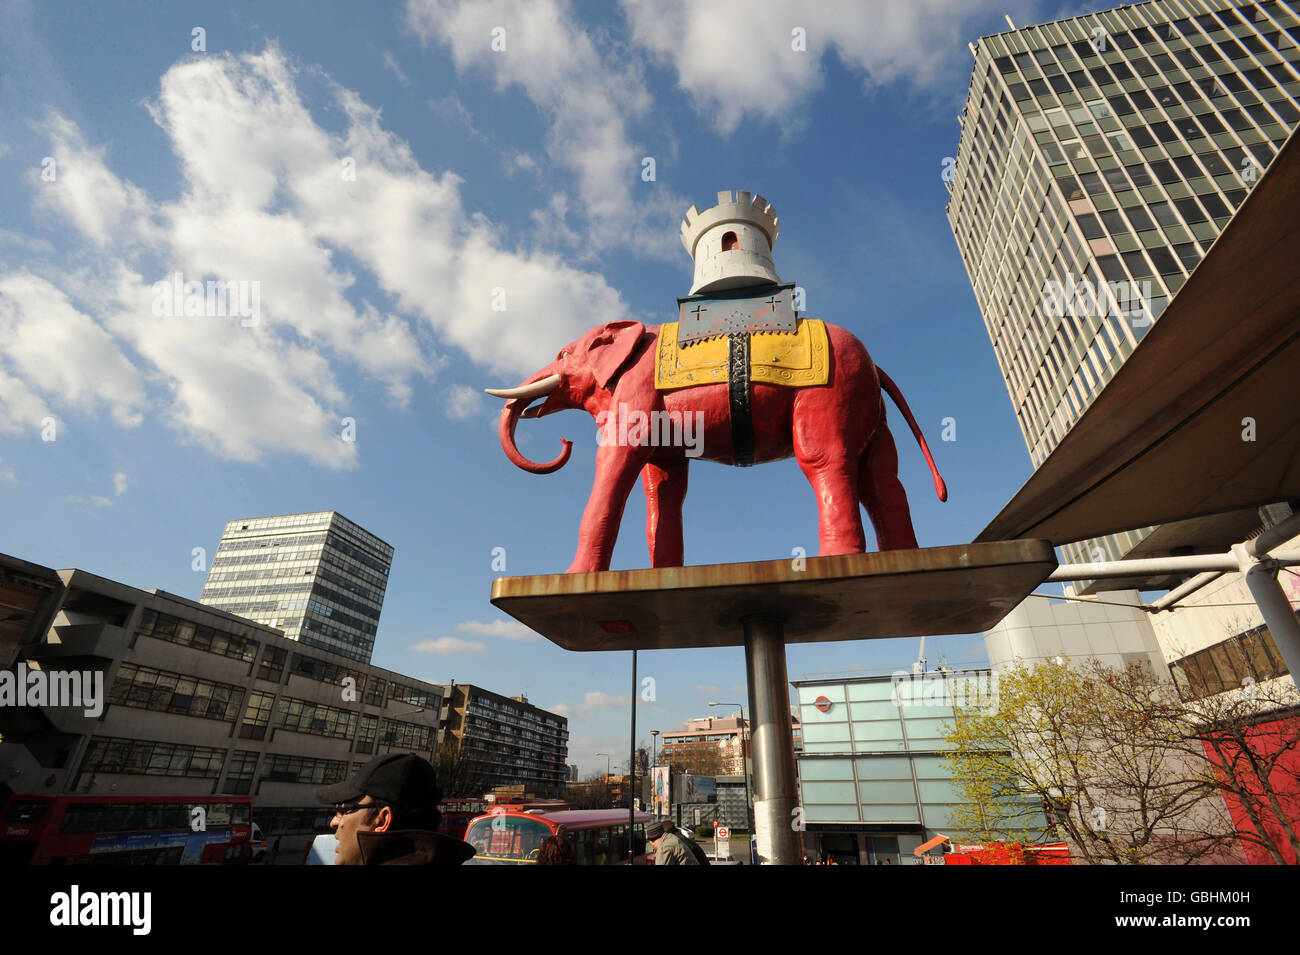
{"x": 518, "y": 168}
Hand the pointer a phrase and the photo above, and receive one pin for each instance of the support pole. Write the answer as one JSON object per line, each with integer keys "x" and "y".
{"x": 1261, "y": 578}
{"x": 631, "y": 778}
{"x": 775, "y": 791}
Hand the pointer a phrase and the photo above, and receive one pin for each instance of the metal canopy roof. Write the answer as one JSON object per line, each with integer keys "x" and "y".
{"x": 1164, "y": 440}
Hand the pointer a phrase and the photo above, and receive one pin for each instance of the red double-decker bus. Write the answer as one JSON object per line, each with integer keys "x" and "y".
{"x": 46, "y": 829}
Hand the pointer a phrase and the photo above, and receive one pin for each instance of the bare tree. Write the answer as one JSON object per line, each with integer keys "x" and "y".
{"x": 1103, "y": 753}
{"x": 457, "y": 774}
{"x": 594, "y": 792}
{"x": 698, "y": 759}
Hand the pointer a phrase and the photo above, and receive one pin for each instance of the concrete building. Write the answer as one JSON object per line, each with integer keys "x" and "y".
{"x": 873, "y": 784}
{"x": 573, "y": 772}
{"x": 317, "y": 577}
{"x": 203, "y": 702}
{"x": 1100, "y": 157}
{"x": 506, "y": 740}
{"x": 715, "y": 746}
{"x": 1110, "y": 628}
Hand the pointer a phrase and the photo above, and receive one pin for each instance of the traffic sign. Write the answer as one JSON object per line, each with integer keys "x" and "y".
{"x": 822, "y": 703}
{"x": 723, "y": 833}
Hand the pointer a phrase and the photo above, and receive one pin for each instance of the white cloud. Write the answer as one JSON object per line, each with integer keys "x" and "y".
{"x": 448, "y": 645}
{"x": 264, "y": 199}
{"x": 391, "y": 64}
{"x": 53, "y": 348}
{"x": 119, "y": 483}
{"x": 587, "y": 99}
{"x": 592, "y": 702}
{"x": 505, "y": 629}
{"x": 96, "y": 499}
{"x": 83, "y": 191}
{"x": 463, "y": 402}
{"x": 737, "y": 57}
{"x": 7, "y": 473}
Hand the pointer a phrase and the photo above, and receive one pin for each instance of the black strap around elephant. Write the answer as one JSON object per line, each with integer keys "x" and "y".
{"x": 740, "y": 393}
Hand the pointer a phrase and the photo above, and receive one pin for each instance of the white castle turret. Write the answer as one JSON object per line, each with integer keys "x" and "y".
{"x": 731, "y": 243}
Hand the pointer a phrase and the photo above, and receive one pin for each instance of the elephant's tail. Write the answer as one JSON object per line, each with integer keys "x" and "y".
{"x": 888, "y": 384}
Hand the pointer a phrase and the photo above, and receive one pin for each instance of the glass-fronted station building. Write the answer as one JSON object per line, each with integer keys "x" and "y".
{"x": 873, "y": 782}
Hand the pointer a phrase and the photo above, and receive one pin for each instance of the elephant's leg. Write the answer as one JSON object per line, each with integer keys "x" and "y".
{"x": 617, "y": 468}
{"x": 832, "y": 470}
{"x": 882, "y": 493}
{"x": 665, "y": 489}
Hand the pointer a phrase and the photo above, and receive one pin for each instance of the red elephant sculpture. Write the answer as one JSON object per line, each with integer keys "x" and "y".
{"x": 837, "y": 432}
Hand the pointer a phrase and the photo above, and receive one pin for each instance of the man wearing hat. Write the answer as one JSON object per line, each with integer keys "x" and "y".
{"x": 670, "y": 849}
{"x": 387, "y": 814}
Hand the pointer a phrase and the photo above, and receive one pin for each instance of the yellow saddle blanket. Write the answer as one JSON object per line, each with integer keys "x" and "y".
{"x": 796, "y": 360}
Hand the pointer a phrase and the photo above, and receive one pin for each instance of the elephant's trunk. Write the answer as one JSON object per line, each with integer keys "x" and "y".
{"x": 510, "y": 415}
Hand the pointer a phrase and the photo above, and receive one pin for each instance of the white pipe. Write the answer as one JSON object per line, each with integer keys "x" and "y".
{"x": 1277, "y": 534}
{"x": 1186, "y": 589}
{"x": 1160, "y": 565}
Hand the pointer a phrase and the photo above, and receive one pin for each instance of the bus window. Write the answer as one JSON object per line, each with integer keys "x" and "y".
{"x": 508, "y": 838}
{"x": 26, "y": 811}
{"x": 618, "y": 844}
{"x": 241, "y": 814}
{"x": 584, "y": 846}
{"x": 125, "y": 817}
{"x": 218, "y": 814}
{"x": 638, "y": 839}
{"x": 82, "y": 817}
{"x": 602, "y": 847}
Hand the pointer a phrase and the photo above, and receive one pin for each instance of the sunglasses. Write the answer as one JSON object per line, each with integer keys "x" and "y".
{"x": 344, "y": 808}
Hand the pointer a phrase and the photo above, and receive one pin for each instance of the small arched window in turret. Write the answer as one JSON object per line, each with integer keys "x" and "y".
{"x": 730, "y": 242}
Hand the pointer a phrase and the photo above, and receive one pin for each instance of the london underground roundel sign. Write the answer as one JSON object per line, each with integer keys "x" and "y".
{"x": 822, "y": 703}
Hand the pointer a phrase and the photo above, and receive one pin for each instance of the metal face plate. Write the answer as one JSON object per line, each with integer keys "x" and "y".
{"x": 703, "y": 317}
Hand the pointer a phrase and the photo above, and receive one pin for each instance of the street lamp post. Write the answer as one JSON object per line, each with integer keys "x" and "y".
{"x": 744, "y": 767}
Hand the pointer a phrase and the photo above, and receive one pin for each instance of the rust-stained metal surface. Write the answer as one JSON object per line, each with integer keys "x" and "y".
{"x": 965, "y": 588}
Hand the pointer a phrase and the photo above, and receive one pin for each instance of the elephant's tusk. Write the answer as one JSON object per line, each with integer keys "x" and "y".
{"x": 535, "y": 390}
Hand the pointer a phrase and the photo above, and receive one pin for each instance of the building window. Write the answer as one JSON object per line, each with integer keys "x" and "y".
{"x": 163, "y": 626}
{"x": 106, "y": 754}
{"x": 303, "y": 769}
{"x": 272, "y": 666}
{"x": 257, "y": 716}
{"x": 239, "y": 775}
{"x": 1228, "y": 665}
{"x": 167, "y": 692}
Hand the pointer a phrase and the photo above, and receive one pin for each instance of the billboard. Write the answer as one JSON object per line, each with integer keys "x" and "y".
{"x": 659, "y": 795}
{"x": 689, "y": 788}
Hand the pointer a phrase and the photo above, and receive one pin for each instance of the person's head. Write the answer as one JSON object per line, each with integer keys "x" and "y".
{"x": 656, "y": 830}
{"x": 395, "y": 791}
{"x": 556, "y": 851}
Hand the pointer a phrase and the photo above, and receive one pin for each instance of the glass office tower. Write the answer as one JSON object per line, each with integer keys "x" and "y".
{"x": 318, "y": 577}
{"x": 1100, "y": 156}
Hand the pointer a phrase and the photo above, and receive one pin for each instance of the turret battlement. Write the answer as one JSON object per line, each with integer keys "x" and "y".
{"x": 732, "y": 207}
{"x": 731, "y": 243}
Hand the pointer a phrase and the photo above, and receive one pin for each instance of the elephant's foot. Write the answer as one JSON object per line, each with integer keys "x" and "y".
{"x": 838, "y": 547}
{"x": 588, "y": 562}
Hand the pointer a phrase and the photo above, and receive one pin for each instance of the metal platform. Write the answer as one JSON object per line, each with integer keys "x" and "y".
{"x": 935, "y": 590}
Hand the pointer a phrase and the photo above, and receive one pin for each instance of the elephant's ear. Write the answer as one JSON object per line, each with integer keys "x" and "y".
{"x": 611, "y": 349}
